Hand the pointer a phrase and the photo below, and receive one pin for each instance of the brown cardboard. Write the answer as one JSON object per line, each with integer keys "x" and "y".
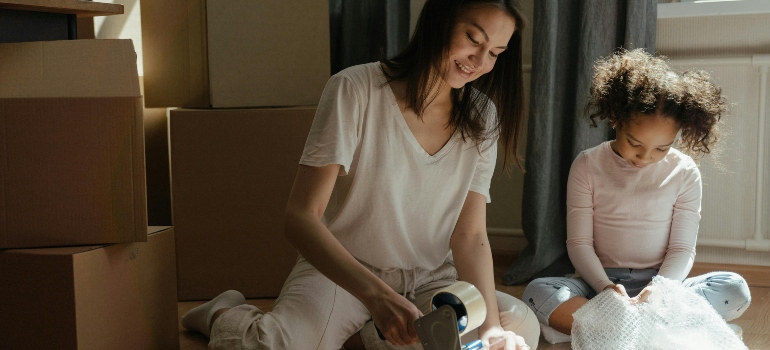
{"x": 114, "y": 297}
{"x": 231, "y": 175}
{"x": 71, "y": 144}
{"x": 238, "y": 53}
{"x": 74, "y": 171}
{"x": 76, "y": 7}
{"x": 86, "y": 28}
{"x": 69, "y": 68}
{"x": 158, "y": 166}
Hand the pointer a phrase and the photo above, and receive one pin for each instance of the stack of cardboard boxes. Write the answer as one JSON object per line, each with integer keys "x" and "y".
{"x": 79, "y": 269}
{"x": 247, "y": 75}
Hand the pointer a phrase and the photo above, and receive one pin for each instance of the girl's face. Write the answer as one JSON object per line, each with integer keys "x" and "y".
{"x": 480, "y": 34}
{"x": 646, "y": 139}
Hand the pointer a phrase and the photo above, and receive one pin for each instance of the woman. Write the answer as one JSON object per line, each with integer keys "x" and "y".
{"x": 395, "y": 173}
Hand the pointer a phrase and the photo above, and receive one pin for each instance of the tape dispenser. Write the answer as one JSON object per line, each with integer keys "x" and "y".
{"x": 456, "y": 310}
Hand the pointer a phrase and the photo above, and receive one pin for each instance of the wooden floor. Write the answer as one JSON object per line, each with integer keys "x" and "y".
{"x": 755, "y": 321}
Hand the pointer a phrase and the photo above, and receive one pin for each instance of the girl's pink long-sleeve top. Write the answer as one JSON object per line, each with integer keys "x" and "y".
{"x": 619, "y": 216}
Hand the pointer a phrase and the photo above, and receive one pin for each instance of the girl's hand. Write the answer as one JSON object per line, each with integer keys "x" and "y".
{"x": 618, "y": 288}
{"x": 394, "y": 315}
{"x": 502, "y": 339}
{"x": 643, "y": 295}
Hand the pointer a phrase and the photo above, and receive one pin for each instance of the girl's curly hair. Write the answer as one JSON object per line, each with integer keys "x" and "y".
{"x": 629, "y": 83}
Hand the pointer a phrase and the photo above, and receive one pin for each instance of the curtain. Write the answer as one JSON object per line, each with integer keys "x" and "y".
{"x": 569, "y": 35}
{"x": 364, "y": 31}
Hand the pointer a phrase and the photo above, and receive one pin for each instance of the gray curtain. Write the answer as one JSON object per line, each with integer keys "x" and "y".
{"x": 364, "y": 31}
{"x": 569, "y": 35}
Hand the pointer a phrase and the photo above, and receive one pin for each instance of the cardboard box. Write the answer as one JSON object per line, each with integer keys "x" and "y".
{"x": 236, "y": 53}
{"x": 158, "y": 166}
{"x": 71, "y": 144}
{"x": 114, "y": 297}
{"x": 69, "y": 68}
{"x": 231, "y": 175}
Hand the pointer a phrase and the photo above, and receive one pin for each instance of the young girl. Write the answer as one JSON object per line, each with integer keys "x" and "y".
{"x": 388, "y": 205}
{"x": 633, "y": 204}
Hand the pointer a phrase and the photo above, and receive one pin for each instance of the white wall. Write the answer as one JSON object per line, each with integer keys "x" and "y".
{"x": 125, "y": 26}
{"x": 730, "y": 195}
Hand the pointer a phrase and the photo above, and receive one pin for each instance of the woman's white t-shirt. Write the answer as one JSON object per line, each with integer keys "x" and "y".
{"x": 396, "y": 205}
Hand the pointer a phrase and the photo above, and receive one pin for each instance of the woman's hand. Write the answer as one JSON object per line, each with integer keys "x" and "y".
{"x": 618, "y": 288}
{"x": 394, "y": 315}
{"x": 643, "y": 295}
{"x": 502, "y": 339}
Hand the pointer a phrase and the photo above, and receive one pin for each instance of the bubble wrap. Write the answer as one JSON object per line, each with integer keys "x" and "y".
{"x": 672, "y": 318}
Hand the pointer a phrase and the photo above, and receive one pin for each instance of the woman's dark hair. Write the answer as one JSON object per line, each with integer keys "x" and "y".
{"x": 421, "y": 65}
{"x": 629, "y": 83}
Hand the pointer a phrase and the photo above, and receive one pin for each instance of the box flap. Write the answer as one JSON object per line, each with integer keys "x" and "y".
{"x": 151, "y": 230}
{"x": 69, "y": 68}
{"x": 74, "y": 250}
{"x": 73, "y": 7}
{"x": 54, "y": 251}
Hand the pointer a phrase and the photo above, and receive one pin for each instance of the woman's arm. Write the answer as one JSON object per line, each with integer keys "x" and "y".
{"x": 472, "y": 254}
{"x": 392, "y": 313}
{"x": 473, "y": 260}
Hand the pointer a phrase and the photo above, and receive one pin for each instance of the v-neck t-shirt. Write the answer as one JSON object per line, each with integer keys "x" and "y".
{"x": 393, "y": 205}
{"x": 620, "y": 216}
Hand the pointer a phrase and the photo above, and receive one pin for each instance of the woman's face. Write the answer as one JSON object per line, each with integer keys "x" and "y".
{"x": 645, "y": 139}
{"x": 479, "y": 36}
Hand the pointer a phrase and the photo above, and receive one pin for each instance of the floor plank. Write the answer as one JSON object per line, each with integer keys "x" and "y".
{"x": 756, "y": 319}
{"x": 757, "y": 276}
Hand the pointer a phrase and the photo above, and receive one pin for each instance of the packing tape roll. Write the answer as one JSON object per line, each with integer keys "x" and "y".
{"x": 467, "y": 301}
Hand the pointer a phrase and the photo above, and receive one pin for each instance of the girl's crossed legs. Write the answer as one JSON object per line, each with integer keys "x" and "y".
{"x": 727, "y": 292}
